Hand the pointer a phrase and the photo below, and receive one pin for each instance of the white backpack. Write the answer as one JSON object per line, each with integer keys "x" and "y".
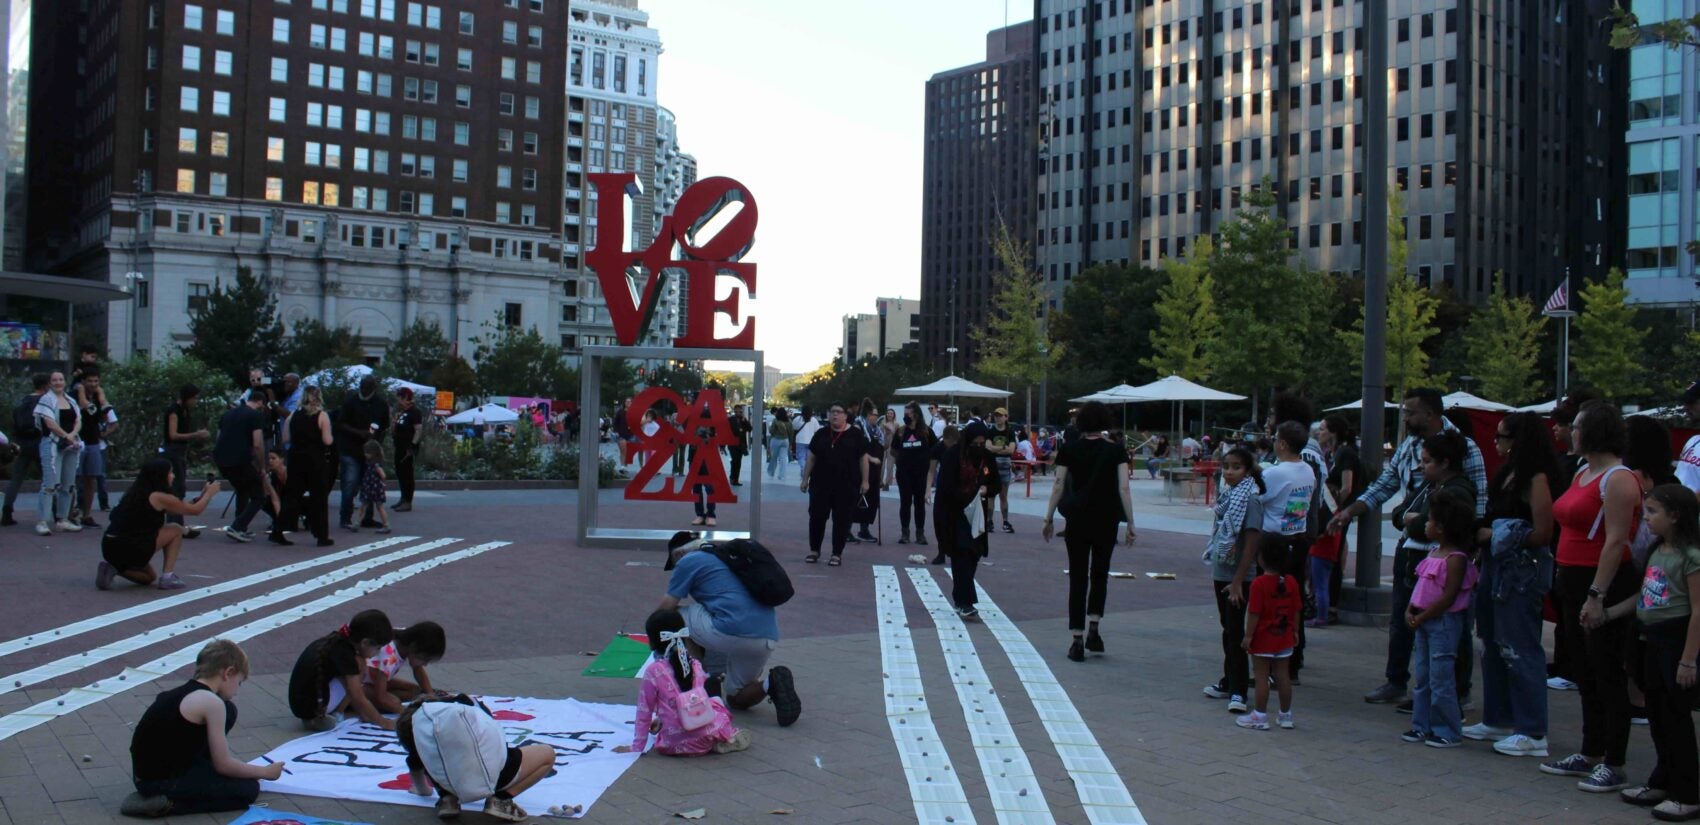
{"x": 461, "y": 746}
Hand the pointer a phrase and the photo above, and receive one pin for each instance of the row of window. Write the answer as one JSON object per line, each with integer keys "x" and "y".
{"x": 601, "y": 78}
{"x": 382, "y": 46}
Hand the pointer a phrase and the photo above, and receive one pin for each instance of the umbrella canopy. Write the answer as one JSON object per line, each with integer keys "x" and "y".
{"x": 1118, "y": 394}
{"x": 493, "y": 414}
{"x": 1544, "y": 408}
{"x": 1357, "y": 405}
{"x": 954, "y": 385}
{"x": 1473, "y": 402}
{"x": 1176, "y": 388}
{"x": 353, "y": 373}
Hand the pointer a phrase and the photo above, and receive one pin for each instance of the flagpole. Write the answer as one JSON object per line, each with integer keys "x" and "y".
{"x": 1563, "y": 310}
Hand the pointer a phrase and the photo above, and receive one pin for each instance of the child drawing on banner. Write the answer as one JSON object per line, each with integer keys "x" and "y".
{"x": 326, "y": 678}
{"x": 673, "y": 704}
{"x": 181, "y": 760}
{"x": 418, "y": 645}
{"x": 456, "y": 746}
{"x": 1271, "y": 631}
{"x": 372, "y": 484}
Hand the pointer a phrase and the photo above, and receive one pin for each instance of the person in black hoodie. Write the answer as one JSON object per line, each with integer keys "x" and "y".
{"x": 967, "y": 474}
{"x": 364, "y": 417}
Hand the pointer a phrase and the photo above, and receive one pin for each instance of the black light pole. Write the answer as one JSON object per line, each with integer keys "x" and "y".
{"x": 1375, "y": 292}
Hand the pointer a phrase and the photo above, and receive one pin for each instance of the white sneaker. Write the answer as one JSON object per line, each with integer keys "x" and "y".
{"x": 1519, "y": 745}
{"x": 1485, "y": 731}
{"x": 41, "y": 529}
{"x": 1236, "y": 704}
{"x": 1215, "y": 691}
{"x": 67, "y": 527}
{"x": 1284, "y": 719}
{"x": 1560, "y": 683}
{"x": 1253, "y": 720}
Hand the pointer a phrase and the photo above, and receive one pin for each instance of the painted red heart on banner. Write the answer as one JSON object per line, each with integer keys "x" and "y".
{"x": 399, "y": 783}
{"x": 512, "y": 716}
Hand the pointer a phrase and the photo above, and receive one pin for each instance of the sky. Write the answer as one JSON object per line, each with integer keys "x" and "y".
{"x": 817, "y": 108}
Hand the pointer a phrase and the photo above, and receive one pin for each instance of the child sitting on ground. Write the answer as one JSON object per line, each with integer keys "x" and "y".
{"x": 372, "y": 485}
{"x": 457, "y": 746}
{"x": 179, "y": 757}
{"x": 326, "y": 678}
{"x": 1271, "y": 630}
{"x": 673, "y": 703}
{"x": 418, "y": 645}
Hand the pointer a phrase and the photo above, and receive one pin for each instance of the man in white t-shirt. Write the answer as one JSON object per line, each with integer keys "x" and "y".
{"x": 1688, "y": 464}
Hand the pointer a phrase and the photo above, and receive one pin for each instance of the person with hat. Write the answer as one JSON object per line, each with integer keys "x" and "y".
{"x": 735, "y": 630}
{"x": 967, "y": 476}
{"x": 834, "y": 476}
{"x": 1688, "y": 462}
{"x": 1001, "y": 438}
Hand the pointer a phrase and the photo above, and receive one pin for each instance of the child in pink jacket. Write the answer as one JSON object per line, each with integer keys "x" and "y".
{"x": 673, "y": 705}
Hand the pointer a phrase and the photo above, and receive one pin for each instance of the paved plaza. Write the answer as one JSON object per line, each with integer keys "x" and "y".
{"x": 522, "y": 616}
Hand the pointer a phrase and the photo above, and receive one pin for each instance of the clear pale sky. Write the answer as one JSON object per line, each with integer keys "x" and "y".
{"x": 817, "y": 107}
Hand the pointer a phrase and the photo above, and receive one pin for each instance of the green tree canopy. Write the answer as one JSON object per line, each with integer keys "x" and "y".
{"x": 1107, "y": 311}
{"x": 312, "y": 346}
{"x": 1187, "y": 326}
{"x": 1608, "y": 351}
{"x": 237, "y": 329}
{"x": 1014, "y": 344}
{"x": 512, "y": 361}
{"x": 417, "y": 352}
{"x": 1411, "y": 310}
{"x": 1264, "y": 302}
{"x": 1502, "y": 346}
{"x": 456, "y": 376}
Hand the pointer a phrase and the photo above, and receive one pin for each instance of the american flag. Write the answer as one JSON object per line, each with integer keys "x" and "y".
{"x": 1560, "y": 299}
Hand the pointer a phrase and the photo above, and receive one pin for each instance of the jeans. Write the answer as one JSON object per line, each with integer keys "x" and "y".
{"x": 201, "y": 789}
{"x": 704, "y": 505}
{"x": 58, "y": 479}
{"x": 840, "y": 504}
{"x": 250, "y": 494}
{"x": 912, "y": 498}
{"x": 778, "y": 456}
{"x": 1089, "y": 548}
{"x": 350, "y": 469}
{"x": 1508, "y": 619}
{"x": 1321, "y": 574}
{"x": 179, "y": 458}
{"x": 1669, "y": 716}
{"x": 1401, "y": 638}
{"x": 1598, "y": 668}
{"x": 802, "y": 457}
{"x": 1434, "y": 695}
{"x": 29, "y": 453}
{"x": 1236, "y": 669}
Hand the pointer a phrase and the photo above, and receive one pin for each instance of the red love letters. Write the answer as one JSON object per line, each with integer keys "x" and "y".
{"x": 511, "y": 716}
{"x": 708, "y": 417}
{"x": 676, "y": 249}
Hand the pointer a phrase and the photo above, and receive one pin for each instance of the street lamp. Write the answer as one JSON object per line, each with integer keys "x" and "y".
{"x": 1044, "y": 383}
{"x": 952, "y": 351}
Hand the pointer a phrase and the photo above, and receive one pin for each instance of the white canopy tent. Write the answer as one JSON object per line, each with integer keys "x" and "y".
{"x": 492, "y": 413}
{"x": 355, "y": 372}
{"x": 1544, "y": 408}
{"x": 1461, "y": 400}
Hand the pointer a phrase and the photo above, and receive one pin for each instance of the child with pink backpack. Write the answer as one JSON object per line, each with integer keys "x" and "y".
{"x": 674, "y": 704}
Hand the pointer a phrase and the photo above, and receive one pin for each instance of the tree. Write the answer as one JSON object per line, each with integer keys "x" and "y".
{"x": 456, "y": 376}
{"x": 418, "y": 351}
{"x": 1608, "y": 351}
{"x": 141, "y": 389}
{"x": 1502, "y": 346}
{"x": 314, "y": 346}
{"x": 512, "y": 361}
{"x": 873, "y": 378}
{"x": 1673, "y": 352}
{"x": 1263, "y": 301}
{"x": 1411, "y": 309}
{"x": 1628, "y": 32}
{"x": 734, "y": 388}
{"x": 1187, "y": 325}
{"x": 1014, "y": 344}
{"x": 237, "y": 329}
{"x": 1104, "y": 311}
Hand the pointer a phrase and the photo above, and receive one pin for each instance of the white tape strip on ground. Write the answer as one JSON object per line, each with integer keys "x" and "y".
{"x": 131, "y": 678}
{"x": 75, "y": 662}
{"x": 106, "y": 619}
{"x": 933, "y": 783}
{"x": 1015, "y": 791}
{"x": 1102, "y": 792}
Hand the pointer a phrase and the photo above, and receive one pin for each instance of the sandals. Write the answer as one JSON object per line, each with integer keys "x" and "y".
{"x": 835, "y": 561}
{"x": 811, "y": 558}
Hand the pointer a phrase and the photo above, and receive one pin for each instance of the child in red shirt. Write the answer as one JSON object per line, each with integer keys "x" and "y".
{"x": 1271, "y": 621}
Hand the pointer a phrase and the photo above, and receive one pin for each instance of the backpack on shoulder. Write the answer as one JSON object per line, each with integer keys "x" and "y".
{"x": 760, "y": 572}
{"x": 459, "y": 745}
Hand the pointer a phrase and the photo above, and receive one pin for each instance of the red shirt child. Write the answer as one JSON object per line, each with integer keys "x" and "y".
{"x": 1276, "y": 601}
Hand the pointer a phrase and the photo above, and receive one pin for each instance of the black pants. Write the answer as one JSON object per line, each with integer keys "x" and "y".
{"x": 202, "y": 790}
{"x": 840, "y": 504}
{"x": 250, "y": 496}
{"x": 679, "y": 461}
{"x": 737, "y": 463}
{"x": 1236, "y": 669}
{"x": 912, "y": 498}
{"x": 1599, "y": 664}
{"x": 179, "y": 458}
{"x": 1669, "y": 716}
{"x": 308, "y": 492}
{"x": 1089, "y": 548}
{"x": 29, "y": 455}
{"x": 406, "y": 457}
{"x": 963, "y": 563}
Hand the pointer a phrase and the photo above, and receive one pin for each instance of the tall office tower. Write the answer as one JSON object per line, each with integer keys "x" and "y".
{"x": 15, "y": 16}
{"x": 1163, "y": 115}
{"x": 1663, "y": 156}
{"x": 376, "y": 162}
{"x": 979, "y": 175}
{"x": 615, "y": 125}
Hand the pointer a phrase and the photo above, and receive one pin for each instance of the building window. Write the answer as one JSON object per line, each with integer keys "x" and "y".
{"x": 186, "y": 140}
{"x": 217, "y": 183}
{"x": 457, "y": 207}
{"x": 189, "y": 99}
{"x": 527, "y": 215}
{"x": 510, "y": 32}
{"x": 198, "y": 296}
{"x": 223, "y": 62}
{"x": 512, "y": 314}
{"x": 463, "y": 59}
{"x": 505, "y": 103}
{"x": 460, "y": 171}
{"x": 528, "y": 180}
{"x": 503, "y": 212}
{"x": 463, "y": 134}
{"x": 310, "y": 192}
{"x": 280, "y": 30}
{"x": 463, "y": 97}
{"x": 227, "y": 23}
{"x": 505, "y": 177}
{"x": 191, "y": 17}
{"x": 504, "y": 140}
{"x": 191, "y": 58}
{"x": 186, "y": 181}
{"x": 534, "y": 37}
{"x": 533, "y": 107}
{"x": 274, "y": 189}
{"x": 280, "y": 70}
{"x": 530, "y": 146}
{"x": 279, "y": 108}
{"x": 274, "y": 149}
{"x": 220, "y": 144}
{"x": 467, "y": 22}
{"x": 221, "y": 104}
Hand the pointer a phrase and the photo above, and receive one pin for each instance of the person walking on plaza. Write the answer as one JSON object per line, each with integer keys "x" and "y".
{"x": 61, "y": 450}
{"x": 779, "y": 444}
{"x": 27, "y": 435}
{"x": 1516, "y": 575}
{"x": 803, "y": 434}
{"x": 364, "y": 417}
{"x": 1597, "y": 517}
{"x": 1422, "y": 415}
{"x": 967, "y": 478}
{"x": 741, "y": 429}
{"x": 309, "y": 463}
{"x": 1000, "y": 442}
{"x": 138, "y": 530}
{"x": 240, "y": 453}
{"x": 1232, "y": 550}
{"x": 1092, "y": 494}
{"x": 868, "y": 504}
{"x": 911, "y": 449}
{"x": 409, "y": 429}
{"x": 835, "y": 474}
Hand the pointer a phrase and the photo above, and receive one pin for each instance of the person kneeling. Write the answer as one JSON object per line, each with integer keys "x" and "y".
{"x": 180, "y": 760}
{"x": 457, "y": 746}
{"x": 673, "y": 702}
{"x": 138, "y": 530}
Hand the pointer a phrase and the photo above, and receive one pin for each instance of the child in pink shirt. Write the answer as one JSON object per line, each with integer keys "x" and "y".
{"x": 672, "y": 684}
{"x": 1445, "y": 580}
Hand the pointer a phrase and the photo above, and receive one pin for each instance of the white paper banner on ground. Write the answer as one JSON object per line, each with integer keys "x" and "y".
{"x": 360, "y": 762}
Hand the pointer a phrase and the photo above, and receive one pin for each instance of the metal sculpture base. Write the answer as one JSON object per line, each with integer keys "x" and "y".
{"x": 591, "y": 532}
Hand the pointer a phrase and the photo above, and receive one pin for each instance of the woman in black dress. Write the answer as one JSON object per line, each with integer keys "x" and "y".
{"x": 309, "y": 479}
{"x": 967, "y": 476}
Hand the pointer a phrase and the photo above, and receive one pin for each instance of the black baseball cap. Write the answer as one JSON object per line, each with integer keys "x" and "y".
{"x": 678, "y": 540}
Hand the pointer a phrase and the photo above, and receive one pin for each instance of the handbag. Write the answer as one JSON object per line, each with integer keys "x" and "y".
{"x": 976, "y": 515}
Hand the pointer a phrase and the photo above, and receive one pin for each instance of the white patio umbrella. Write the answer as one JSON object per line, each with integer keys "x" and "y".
{"x": 954, "y": 385}
{"x": 1120, "y": 395}
{"x": 493, "y": 414}
{"x": 1178, "y": 390}
{"x": 354, "y": 372}
{"x": 1543, "y": 408}
{"x": 1473, "y": 402}
{"x": 1358, "y": 405}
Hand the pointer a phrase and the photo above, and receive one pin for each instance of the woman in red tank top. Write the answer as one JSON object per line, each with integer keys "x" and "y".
{"x": 1598, "y": 515}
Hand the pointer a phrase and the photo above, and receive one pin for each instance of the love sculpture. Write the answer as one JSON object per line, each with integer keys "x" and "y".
{"x": 703, "y": 244}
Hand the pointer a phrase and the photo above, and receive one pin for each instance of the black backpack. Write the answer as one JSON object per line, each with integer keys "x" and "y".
{"x": 24, "y": 427}
{"x": 757, "y": 569}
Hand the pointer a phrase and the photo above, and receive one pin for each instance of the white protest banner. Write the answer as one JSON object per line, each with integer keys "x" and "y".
{"x": 360, "y": 762}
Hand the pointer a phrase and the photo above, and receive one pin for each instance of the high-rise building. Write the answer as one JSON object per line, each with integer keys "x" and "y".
{"x": 895, "y": 324}
{"x": 978, "y": 179}
{"x": 16, "y": 17}
{"x": 614, "y": 124}
{"x": 1663, "y": 156}
{"x": 376, "y": 162}
{"x": 1162, "y": 116}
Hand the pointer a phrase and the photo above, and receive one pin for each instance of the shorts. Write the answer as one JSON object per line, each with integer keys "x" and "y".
{"x": 740, "y": 659}
{"x": 510, "y": 769}
{"x": 1279, "y": 654}
{"x": 1005, "y": 470}
{"x": 93, "y": 463}
{"x": 125, "y": 555}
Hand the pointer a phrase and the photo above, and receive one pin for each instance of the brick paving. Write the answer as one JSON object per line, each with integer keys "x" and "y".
{"x": 521, "y": 618}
